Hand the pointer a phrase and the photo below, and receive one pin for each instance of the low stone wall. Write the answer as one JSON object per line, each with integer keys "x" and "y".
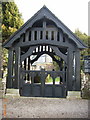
{"x": 85, "y": 78}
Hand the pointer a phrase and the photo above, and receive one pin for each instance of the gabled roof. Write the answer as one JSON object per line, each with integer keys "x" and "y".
{"x": 44, "y": 12}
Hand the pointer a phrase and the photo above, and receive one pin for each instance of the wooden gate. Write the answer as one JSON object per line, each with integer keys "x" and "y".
{"x": 38, "y": 86}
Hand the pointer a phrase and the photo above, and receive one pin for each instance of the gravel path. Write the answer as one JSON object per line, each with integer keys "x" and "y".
{"x": 26, "y": 107}
{"x": 0, "y": 109}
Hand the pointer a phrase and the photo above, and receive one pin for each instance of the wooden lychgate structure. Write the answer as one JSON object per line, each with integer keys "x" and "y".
{"x": 42, "y": 34}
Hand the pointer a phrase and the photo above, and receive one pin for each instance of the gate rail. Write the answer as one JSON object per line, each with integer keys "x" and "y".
{"x": 29, "y": 75}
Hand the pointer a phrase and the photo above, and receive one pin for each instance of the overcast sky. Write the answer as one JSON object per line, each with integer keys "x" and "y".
{"x": 73, "y": 13}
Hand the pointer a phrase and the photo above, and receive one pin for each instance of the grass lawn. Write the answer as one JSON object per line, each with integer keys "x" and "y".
{"x": 49, "y": 80}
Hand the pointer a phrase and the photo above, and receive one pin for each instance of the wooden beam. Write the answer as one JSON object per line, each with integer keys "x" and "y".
{"x": 28, "y": 77}
{"x": 17, "y": 67}
{"x": 10, "y": 66}
{"x": 27, "y": 36}
{"x": 32, "y": 35}
{"x": 58, "y": 53}
{"x": 44, "y": 24}
{"x": 55, "y": 35}
{"x": 44, "y": 28}
{"x": 42, "y": 82}
{"x": 78, "y": 82}
{"x": 44, "y": 34}
{"x": 28, "y": 53}
{"x": 38, "y": 35}
{"x": 60, "y": 36}
{"x": 44, "y": 42}
{"x": 21, "y": 38}
{"x": 49, "y": 35}
{"x": 46, "y": 52}
{"x": 69, "y": 69}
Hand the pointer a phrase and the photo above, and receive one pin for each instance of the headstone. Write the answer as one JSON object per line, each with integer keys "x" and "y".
{"x": 87, "y": 64}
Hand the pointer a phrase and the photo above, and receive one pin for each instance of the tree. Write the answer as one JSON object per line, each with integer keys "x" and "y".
{"x": 11, "y": 19}
{"x": 84, "y": 38}
{"x": 0, "y": 41}
{"x": 11, "y": 22}
{"x": 89, "y": 45}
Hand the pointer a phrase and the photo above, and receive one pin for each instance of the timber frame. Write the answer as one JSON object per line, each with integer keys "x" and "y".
{"x": 42, "y": 34}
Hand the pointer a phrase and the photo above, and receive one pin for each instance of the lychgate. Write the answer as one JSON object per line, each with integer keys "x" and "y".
{"x": 42, "y": 34}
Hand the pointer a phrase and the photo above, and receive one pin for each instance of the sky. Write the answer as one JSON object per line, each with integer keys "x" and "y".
{"x": 73, "y": 13}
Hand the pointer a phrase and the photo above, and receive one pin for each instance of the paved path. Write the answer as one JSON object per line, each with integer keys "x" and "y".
{"x": 26, "y": 107}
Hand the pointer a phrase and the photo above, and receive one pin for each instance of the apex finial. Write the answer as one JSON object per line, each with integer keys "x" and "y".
{"x": 44, "y": 6}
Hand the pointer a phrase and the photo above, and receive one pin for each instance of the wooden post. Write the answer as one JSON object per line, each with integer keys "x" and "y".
{"x": 49, "y": 35}
{"x": 38, "y": 35}
{"x": 61, "y": 69}
{"x": 28, "y": 68}
{"x": 69, "y": 69}
{"x": 44, "y": 32}
{"x": 55, "y": 35}
{"x": 63, "y": 74}
{"x": 53, "y": 89}
{"x": 42, "y": 83}
{"x": 27, "y": 36}
{"x": 77, "y": 70}
{"x": 10, "y": 63}
{"x": 60, "y": 36}
{"x": 44, "y": 24}
{"x": 32, "y": 82}
{"x": 17, "y": 67}
{"x": 32, "y": 35}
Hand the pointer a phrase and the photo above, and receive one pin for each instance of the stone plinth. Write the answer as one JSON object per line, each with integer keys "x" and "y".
{"x": 13, "y": 92}
{"x": 74, "y": 94}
